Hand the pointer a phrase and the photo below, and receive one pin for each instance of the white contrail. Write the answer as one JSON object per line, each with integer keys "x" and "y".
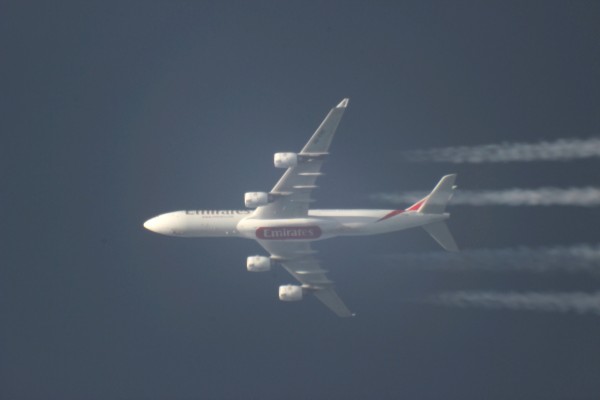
{"x": 558, "y": 150}
{"x": 581, "y": 258}
{"x": 577, "y": 302}
{"x": 545, "y": 196}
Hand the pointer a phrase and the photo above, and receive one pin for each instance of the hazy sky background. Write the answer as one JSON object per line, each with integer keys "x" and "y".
{"x": 113, "y": 112}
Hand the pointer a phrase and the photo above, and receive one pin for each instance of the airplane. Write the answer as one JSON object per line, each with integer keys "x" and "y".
{"x": 282, "y": 222}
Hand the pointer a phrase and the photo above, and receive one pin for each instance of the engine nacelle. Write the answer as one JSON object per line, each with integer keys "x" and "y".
{"x": 290, "y": 293}
{"x": 256, "y": 199}
{"x": 258, "y": 264}
{"x": 285, "y": 160}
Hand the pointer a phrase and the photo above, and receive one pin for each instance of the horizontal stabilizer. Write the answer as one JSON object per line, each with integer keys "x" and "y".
{"x": 439, "y": 231}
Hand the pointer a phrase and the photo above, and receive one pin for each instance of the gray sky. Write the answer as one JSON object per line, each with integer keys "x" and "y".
{"x": 114, "y": 113}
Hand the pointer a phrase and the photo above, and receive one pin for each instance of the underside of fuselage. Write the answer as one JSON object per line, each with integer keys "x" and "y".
{"x": 318, "y": 225}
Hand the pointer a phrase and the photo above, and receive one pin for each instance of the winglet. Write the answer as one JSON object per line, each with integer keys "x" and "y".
{"x": 343, "y": 103}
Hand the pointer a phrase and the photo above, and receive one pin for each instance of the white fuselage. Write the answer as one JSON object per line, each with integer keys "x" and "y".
{"x": 282, "y": 223}
{"x": 318, "y": 225}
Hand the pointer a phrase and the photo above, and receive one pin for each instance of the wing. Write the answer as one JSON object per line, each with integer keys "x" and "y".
{"x": 298, "y": 258}
{"x": 292, "y": 193}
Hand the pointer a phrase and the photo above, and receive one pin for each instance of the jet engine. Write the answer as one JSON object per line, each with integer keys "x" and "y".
{"x": 285, "y": 160}
{"x": 256, "y": 199}
{"x": 258, "y": 264}
{"x": 290, "y": 292}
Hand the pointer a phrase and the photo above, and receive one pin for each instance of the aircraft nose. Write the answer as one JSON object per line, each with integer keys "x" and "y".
{"x": 154, "y": 224}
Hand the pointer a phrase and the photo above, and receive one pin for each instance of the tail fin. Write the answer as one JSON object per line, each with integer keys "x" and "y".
{"x": 439, "y": 231}
{"x": 435, "y": 203}
{"x": 439, "y": 197}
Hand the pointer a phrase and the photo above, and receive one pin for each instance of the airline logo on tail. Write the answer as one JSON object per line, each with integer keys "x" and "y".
{"x": 415, "y": 207}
